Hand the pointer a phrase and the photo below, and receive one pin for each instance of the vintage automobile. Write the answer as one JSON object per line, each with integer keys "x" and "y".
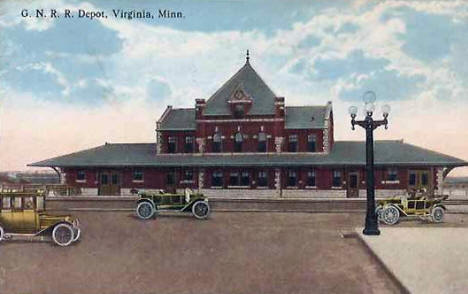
{"x": 22, "y": 215}
{"x": 390, "y": 210}
{"x": 150, "y": 203}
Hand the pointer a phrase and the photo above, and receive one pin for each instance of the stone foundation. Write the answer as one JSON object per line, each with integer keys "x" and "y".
{"x": 383, "y": 193}
{"x": 292, "y": 193}
{"x": 89, "y": 191}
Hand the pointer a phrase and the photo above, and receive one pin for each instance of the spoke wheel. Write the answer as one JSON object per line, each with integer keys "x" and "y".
{"x": 378, "y": 212}
{"x": 201, "y": 209}
{"x": 76, "y": 233}
{"x": 390, "y": 215}
{"x": 63, "y": 234}
{"x": 437, "y": 214}
{"x": 145, "y": 210}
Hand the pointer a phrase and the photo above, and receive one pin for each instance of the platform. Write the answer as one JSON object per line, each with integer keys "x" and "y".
{"x": 423, "y": 260}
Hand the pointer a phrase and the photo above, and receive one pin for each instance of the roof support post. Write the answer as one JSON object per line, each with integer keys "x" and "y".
{"x": 278, "y": 186}
{"x": 439, "y": 185}
{"x": 201, "y": 178}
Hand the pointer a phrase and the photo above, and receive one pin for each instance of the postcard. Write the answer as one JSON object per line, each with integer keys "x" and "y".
{"x": 233, "y": 146}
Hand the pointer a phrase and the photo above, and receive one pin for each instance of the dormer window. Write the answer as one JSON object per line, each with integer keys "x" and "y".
{"x": 238, "y": 139}
{"x": 262, "y": 142}
{"x": 188, "y": 147}
{"x": 217, "y": 143}
{"x": 312, "y": 143}
{"x": 172, "y": 145}
{"x": 292, "y": 146}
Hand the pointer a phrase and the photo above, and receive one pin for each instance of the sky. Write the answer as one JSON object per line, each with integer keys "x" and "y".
{"x": 76, "y": 83}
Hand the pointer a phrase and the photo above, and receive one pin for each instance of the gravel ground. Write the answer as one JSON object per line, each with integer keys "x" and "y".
{"x": 229, "y": 253}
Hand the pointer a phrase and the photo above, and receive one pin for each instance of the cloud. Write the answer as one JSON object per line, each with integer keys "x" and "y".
{"x": 428, "y": 36}
{"x": 354, "y": 63}
{"x": 388, "y": 84}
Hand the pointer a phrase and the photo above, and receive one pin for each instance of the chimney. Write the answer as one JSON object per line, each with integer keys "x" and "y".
{"x": 279, "y": 106}
{"x": 199, "y": 107}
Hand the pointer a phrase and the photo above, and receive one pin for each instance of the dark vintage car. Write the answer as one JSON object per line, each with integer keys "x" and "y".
{"x": 149, "y": 203}
{"x": 22, "y": 215}
{"x": 390, "y": 210}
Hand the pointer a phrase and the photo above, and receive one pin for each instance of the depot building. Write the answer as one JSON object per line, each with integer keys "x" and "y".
{"x": 245, "y": 142}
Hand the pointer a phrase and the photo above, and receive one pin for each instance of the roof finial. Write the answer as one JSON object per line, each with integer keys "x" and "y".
{"x": 248, "y": 57}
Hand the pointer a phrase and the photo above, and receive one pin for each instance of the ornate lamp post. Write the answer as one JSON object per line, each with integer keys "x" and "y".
{"x": 369, "y": 124}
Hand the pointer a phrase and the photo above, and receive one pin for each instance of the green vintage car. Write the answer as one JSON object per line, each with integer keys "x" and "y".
{"x": 22, "y": 216}
{"x": 390, "y": 210}
{"x": 149, "y": 203}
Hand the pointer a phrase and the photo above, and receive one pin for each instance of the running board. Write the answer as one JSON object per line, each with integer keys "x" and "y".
{"x": 26, "y": 237}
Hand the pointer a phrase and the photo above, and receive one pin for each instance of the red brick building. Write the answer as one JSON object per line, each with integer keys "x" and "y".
{"x": 244, "y": 141}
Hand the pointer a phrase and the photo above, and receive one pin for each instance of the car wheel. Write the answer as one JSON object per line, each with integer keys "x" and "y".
{"x": 145, "y": 210}
{"x": 437, "y": 214}
{"x": 201, "y": 209}
{"x": 2, "y": 234}
{"x": 378, "y": 212}
{"x": 390, "y": 215}
{"x": 63, "y": 234}
{"x": 76, "y": 234}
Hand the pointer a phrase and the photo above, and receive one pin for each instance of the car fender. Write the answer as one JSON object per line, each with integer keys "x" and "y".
{"x": 439, "y": 205}
{"x": 188, "y": 206}
{"x": 147, "y": 200}
{"x": 50, "y": 228}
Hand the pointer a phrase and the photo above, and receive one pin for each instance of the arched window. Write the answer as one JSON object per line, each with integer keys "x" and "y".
{"x": 238, "y": 138}
{"x": 262, "y": 142}
{"x": 217, "y": 143}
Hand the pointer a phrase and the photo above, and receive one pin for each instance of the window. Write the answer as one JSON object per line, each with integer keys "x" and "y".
{"x": 6, "y": 203}
{"x": 245, "y": 179}
{"x": 17, "y": 202}
{"x": 292, "y": 147}
{"x": 104, "y": 179}
{"x": 238, "y": 142}
{"x": 217, "y": 179}
{"x": 188, "y": 175}
{"x": 188, "y": 147}
{"x": 234, "y": 179}
{"x": 170, "y": 178}
{"x": 312, "y": 143}
{"x": 172, "y": 145}
{"x": 40, "y": 203}
{"x": 262, "y": 179}
{"x": 311, "y": 178}
{"x": 412, "y": 179}
{"x": 217, "y": 143}
{"x": 337, "y": 178}
{"x": 392, "y": 174}
{"x": 262, "y": 142}
{"x": 239, "y": 111}
{"x": 292, "y": 178}
{"x": 115, "y": 179}
{"x": 138, "y": 175}
{"x": 424, "y": 179}
{"x": 81, "y": 176}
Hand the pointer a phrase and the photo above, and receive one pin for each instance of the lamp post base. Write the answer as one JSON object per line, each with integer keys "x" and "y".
{"x": 371, "y": 231}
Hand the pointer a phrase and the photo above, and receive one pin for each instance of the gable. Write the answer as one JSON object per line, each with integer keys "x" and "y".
{"x": 245, "y": 84}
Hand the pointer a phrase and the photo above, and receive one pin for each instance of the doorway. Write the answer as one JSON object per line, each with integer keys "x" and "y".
{"x": 353, "y": 185}
{"x": 109, "y": 183}
{"x": 419, "y": 180}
